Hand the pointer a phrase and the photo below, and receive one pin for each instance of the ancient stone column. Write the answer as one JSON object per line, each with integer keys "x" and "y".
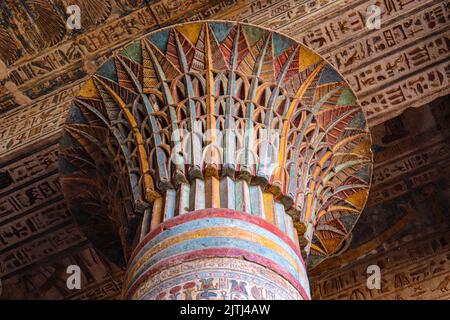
{"x": 212, "y": 159}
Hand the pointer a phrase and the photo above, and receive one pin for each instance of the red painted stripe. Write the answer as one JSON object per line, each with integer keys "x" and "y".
{"x": 214, "y": 253}
{"x": 217, "y": 213}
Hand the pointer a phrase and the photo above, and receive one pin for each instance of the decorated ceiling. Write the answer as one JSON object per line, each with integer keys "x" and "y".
{"x": 397, "y": 73}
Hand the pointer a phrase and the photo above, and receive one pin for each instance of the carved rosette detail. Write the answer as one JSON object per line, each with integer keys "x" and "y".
{"x": 216, "y": 115}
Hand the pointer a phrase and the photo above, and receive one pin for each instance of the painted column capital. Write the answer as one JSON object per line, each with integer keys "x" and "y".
{"x": 216, "y": 115}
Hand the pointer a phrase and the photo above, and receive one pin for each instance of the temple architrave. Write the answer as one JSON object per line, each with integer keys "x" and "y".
{"x": 226, "y": 149}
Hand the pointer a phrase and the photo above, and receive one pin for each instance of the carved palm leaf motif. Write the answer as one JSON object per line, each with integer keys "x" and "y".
{"x": 51, "y": 26}
{"x": 216, "y": 115}
{"x": 8, "y": 47}
{"x": 9, "y": 50}
{"x": 36, "y": 24}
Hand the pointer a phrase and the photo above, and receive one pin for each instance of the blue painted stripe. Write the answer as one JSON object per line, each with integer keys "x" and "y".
{"x": 219, "y": 242}
{"x": 218, "y": 222}
{"x": 170, "y": 204}
{"x": 279, "y": 211}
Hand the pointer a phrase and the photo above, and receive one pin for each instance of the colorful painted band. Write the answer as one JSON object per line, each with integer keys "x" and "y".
{"x": 200, "y": 234}
{"x": 217, "y": 233}
{"x": 208, "y": 228}
{"x": 210, "y": 213}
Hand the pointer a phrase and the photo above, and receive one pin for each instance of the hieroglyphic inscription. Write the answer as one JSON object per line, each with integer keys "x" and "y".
{"x": 32, "y": 251}
{"x": 167, "y": 10}
{"x": 215, "y": 10}
{"x": 21, "y": 127}
{"x": 410, "y": 163}
{"x": 33, "y": 224}
{"x": 410, "y": 144}
{"x": 384, "y": 194}
{"x": 49, "y": 280}
{"x": 417, "y": 270}
{"x": 30, "y": 197}
{"x": 24, "y": 169}
{"x": 400, "y": 188}
{"x": 404, "y": 94}
{"x": 277, "y": 14}
{"x": 434, "y": 49}
{"x": 109, "y": 289}
{"x": 342, "y": 29}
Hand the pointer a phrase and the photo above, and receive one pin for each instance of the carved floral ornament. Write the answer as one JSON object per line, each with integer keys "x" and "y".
{"x": 216, "y": 115}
